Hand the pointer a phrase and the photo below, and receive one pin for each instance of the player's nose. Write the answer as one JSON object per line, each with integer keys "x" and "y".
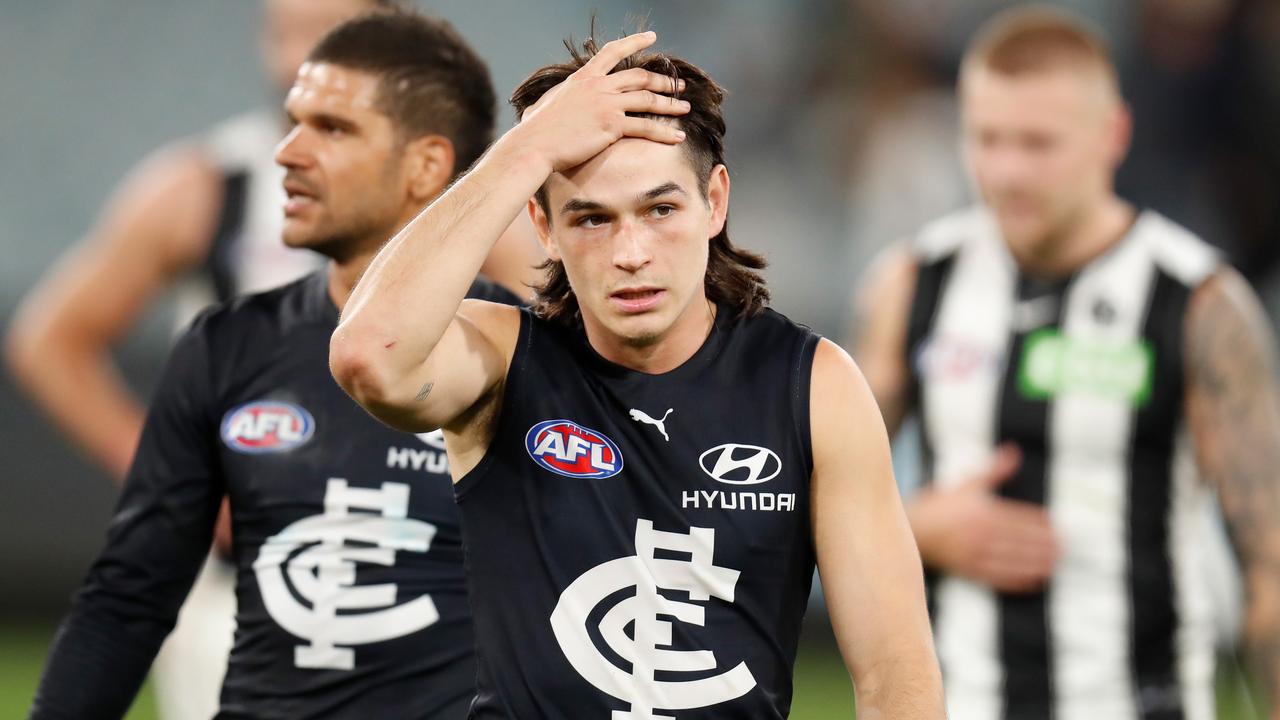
{"x": 291, "y": 151}
{"x": 632, "y": 247}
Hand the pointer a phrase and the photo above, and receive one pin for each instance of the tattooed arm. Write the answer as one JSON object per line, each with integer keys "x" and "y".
{"x": 1233, "y": 406}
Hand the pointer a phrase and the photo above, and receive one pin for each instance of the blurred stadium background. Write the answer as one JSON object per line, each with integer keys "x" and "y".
{"x": 842, "y": 129}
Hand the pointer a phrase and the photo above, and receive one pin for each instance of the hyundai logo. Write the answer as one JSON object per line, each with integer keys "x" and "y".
{"x": 737, "y": 464}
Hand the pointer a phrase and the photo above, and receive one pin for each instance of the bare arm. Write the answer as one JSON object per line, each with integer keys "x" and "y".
{"x": 426, "y": 369}
{"x": 156, "y": 227}
{"x": 878, "y": 333}
{"x": 1234, "y": 414}
{"x": 870, "y": 569}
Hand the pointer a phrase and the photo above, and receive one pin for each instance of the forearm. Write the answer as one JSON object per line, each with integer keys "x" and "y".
{"x": 429, "y": 265}
{"x": 884, "y": 635}
{"x": 1233, "y": 410}
{"x": 84, "y": 395}
{"x": 905, "y": 687}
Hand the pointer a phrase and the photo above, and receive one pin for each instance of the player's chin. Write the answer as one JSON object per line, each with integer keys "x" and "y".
{"x": 638, "y": 330}
{"x": 1022, "y": 230}
{"x": 300, "y": 234}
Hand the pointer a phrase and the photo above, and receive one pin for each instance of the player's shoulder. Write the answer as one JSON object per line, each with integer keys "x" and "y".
{"x": 485, "y": 289}
{"x": 944, "y": 236}
{"x": 268, "y": 314}
{"x": 768, "y": 333}
{"x": 1175, "y": 250}
{"x": 771, "y": 320}
{"x": 494, "y": 318}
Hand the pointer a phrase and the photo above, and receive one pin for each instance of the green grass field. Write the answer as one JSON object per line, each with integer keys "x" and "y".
{"x": 822, "y": 692}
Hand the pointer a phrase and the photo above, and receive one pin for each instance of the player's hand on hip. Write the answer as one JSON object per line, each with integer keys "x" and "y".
{"x": 968, "y": 530}
{"x": 576, "y": 120}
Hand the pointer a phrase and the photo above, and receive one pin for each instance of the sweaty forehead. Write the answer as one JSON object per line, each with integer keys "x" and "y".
{"x": 324, "y": 85}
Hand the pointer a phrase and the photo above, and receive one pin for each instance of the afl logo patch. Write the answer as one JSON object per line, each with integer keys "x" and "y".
{"x": 569, "y": 449}
{"x": 266, "y": 426}
{"x": 738, "y": 464}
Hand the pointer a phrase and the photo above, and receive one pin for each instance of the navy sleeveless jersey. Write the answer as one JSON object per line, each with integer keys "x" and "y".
{"x": 349, "y": 566}
{"x": 639, "y": 546}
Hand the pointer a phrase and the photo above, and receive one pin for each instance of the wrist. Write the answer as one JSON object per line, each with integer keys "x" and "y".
{"x": 515, "y": 153}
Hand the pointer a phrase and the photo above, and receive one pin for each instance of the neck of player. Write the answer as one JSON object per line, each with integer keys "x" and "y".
{"x": 1076, "y": 245}
{"x": 657, "y": 355}
{"x": 352, "y": 258}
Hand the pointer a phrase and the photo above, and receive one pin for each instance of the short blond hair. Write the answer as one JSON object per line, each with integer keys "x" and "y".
{"x": 1036, "y": 38}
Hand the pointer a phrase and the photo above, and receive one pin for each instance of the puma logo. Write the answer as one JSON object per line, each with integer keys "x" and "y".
{"x": 642, "y": 416}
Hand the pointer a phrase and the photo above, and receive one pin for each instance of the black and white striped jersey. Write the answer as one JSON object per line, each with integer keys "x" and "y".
{"x": 1085, "y": 375}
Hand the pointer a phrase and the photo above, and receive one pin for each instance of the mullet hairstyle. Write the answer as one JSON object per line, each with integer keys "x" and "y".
{"x": 732, "y": 277}
{"x": 1036, "y": 38}
{"x": 430, "y": 80}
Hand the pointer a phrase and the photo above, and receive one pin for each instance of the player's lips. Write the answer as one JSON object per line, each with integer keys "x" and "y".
{"x": 637, "y": 299}
{"x": 299, "y": 197}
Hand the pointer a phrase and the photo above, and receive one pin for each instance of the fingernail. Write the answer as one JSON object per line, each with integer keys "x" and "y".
{"x": 680, "y": 134}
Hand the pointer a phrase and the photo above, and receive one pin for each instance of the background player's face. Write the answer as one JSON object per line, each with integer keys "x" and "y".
{"x": 290, "y": 28}
{"x": 1042, "y": 148}
{"x": 632, "y": 229}
{"x": 344, "y": 177}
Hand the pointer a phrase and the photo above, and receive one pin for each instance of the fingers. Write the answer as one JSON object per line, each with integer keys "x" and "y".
{"x": 648, "y": 129}
{"x": 1017, "y": 566}
{"x": 641, "y": 79}
{"x": 1007, "y": 460}
{"x": 1004, "y": 463}
{"x": 644, "y": 101}
{"x": 1021, "y": 548}
{"x": 614, "y": 51}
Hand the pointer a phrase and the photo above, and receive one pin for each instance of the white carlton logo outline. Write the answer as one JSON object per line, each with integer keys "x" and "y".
{"x": 755, "y": 464}
{"x": 325, "y": 574}
{"x": 644, "y": 649}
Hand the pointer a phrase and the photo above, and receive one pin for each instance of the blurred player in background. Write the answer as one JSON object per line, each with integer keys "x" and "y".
{"x": 388, "y": 108}
{"x": 649, "y": 463}
{"x": 1074, "y": 362}
{"x": 203, "y": 216}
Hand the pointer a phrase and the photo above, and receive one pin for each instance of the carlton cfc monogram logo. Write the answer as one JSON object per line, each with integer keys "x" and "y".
{"x": 644, "y": 612}
{"x": 567, "y": 448}
{"x": 313, "y": 559}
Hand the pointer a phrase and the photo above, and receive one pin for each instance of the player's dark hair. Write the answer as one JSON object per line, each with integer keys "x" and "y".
{"x": 732, "y": 273}
{"x": 430, "y": 81}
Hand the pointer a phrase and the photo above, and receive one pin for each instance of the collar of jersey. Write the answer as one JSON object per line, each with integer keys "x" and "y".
{"x": 703, "y": 357}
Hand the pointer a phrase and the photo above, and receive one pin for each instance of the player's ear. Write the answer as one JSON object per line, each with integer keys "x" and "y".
{"x": 1121, "y": 134}
{"x": 428, "y": 166}
{"x": 718, "y": 199}
{"x": 542, "y": 226}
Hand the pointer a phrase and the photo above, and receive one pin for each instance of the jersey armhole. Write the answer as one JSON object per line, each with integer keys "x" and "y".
{"x": 802, "y": 376}
{"x": 519, "y": 359}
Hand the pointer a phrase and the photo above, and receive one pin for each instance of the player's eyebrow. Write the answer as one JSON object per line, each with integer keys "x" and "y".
{"x": 330, "y": 119}
{"x": 578, "y": 205}
{"x": 663, "y": 189}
